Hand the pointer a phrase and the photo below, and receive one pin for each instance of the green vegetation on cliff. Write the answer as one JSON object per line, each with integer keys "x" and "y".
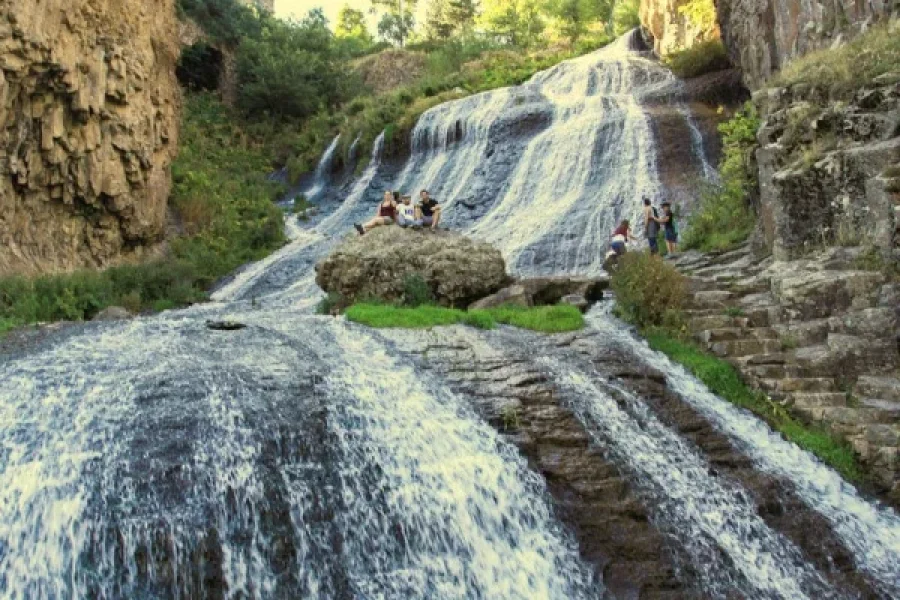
{"x": 546, "y": 319}
{"x": 725, "y": 217}
{"x": 222, "y": 204}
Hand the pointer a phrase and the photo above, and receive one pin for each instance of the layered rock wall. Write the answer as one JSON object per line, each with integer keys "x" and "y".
{"x": 763, "y": 35}
{"x": 672, "y": 30}
{"x": 89, "y": 112}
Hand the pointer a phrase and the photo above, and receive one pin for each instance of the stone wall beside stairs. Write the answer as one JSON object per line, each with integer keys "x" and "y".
{"x": 819, "y": 334}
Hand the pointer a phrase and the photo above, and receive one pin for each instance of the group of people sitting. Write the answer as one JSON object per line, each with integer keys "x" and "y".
{"x": 652, "y": 223}
{"x": 398, "y": 209}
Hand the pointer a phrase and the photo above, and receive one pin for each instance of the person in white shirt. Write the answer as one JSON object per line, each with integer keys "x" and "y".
{"x": 406, "y": 213}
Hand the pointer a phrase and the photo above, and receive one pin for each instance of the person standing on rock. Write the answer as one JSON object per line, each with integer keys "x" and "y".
{"x": 428, "y": 211}
{"x": 386, "y": 214}
{"x": 406, "y": 214}
{"x": 668, "y": 223}
{"x": 651, "y": 226}
{"x": 621, "y": 236}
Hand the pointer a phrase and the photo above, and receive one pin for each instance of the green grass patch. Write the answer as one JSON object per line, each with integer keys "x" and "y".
{"x": 724, "y": 380}
{"x": 546, "y": 319}
{"x": 699, "y": 59}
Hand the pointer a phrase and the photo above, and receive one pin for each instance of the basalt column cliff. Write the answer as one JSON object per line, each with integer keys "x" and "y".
{"x": 89, "y": 110}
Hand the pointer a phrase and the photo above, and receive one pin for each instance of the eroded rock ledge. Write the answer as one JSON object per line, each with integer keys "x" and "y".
{"x": 89, "y": 110}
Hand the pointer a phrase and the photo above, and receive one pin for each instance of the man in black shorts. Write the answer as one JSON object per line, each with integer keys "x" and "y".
{"x": 428, "y": 211}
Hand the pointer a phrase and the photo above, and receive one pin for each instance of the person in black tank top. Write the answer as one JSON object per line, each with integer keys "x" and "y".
{"x": 668, "y": 222}
{"x": 385, "y": 214}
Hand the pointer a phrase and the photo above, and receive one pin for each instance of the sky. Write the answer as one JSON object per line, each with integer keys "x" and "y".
{"x": 299, "y": 8}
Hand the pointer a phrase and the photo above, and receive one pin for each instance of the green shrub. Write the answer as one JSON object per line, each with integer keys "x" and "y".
{"x": 649, "y": 292}
{"x": 331, "y": 304}
{"x": 724, "y": 217}
{"x": 723, "y": 380}
{"x": 416, "y": 291}
{"x": 626, "y": 16}
{"x": 699, "y": 59}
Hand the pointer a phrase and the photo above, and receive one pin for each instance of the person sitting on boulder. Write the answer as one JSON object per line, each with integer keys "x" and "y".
{"x": 428, "y": 211}
{"x": 621, "y": 236}
{"x": 406, "y": 214}
{"x": 386, "y": 213}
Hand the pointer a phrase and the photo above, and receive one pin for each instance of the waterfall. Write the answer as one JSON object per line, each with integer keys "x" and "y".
{"x": 342, "y": 219}
{"x": 320, "y": 177}
{"x": 872, "y": 532}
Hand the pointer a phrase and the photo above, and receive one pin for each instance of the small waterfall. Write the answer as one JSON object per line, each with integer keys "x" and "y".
{"x": 870, "y": 531}
{"x": 342, "y": 219}
{"x": 320, "y": 177}
{"x": 729, "y": 543}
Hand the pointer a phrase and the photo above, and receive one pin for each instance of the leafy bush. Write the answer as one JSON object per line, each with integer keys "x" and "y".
{"x": 416, "y": 291}
{"x": 699, "y": 59}
{"x": 225, "y": 21}
{"x": 649, "y": 292}
{"x": 626, "y": 16}
{"x": 724, "y": 217}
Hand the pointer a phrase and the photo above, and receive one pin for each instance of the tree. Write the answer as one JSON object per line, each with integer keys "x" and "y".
{"x": 625, "y": 16}
{"x": 398, "y": 20}
{"x": 352, "y": 24}
{"x": 517, "y": 22}
{"x": 290, "y": 69}
{"x": 448, "y": 17}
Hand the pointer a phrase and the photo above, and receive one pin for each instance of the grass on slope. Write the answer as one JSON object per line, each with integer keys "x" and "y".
{"x": 546, "y": 319}
{"x": 849, "y": 67}
{"x": 224, "y": 204}
{"x": 724, "y": 380}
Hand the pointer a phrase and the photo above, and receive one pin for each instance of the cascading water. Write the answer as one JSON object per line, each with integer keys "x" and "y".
{"x": 320, "y": 177}
{"x": 301, "y": 458}
{"x": 872, "y": 532}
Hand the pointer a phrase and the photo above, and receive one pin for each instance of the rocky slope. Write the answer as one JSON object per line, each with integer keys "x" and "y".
{"x": 89, "y": 111}
{"x": 763, "y": 35}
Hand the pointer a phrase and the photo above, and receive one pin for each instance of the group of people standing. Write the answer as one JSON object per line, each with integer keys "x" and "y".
{"x": 653, "y": 221}
{"x": 399, "y": 209}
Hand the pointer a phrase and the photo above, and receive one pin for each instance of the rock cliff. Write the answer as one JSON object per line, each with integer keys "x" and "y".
{"x": 89, "y": 112}
{"x": 763, "y": 35}
{"x": 671, "y": 29}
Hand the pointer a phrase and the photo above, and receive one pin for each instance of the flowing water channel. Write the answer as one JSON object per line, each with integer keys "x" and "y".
{"x": 305, "y": 457}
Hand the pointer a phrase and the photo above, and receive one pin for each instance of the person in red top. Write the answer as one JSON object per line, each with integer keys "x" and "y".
{"x": 386, "y": 213}
{"x": 621, "y": 235}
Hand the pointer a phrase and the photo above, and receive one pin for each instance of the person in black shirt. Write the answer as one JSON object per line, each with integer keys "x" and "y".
{"x": 428, "y": 211}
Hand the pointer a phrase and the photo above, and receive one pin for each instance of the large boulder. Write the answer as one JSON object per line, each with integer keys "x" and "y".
{"x": 381, "y": 264}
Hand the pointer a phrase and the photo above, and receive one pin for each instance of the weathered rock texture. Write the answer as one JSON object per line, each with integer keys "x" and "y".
{"x": 456, "y": 269}
{"x": 543, "y": 291}
{"x": 89, "y": 111}
{"x": 819, "y": 334}
{"x": 828, "y": 171}
{"x": 671, "y": 30}
{"x": 763, "y": 35}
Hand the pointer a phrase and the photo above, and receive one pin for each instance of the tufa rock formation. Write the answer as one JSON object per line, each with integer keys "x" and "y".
{"x": 763, "y": 35}
{"x": 89, "y": 112}
{"x": 672, "y": 30}
{"x": 456, "y": 269}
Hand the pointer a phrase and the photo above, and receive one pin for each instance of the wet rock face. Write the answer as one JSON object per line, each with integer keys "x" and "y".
{"x": 456, "y": 269}
{"x": 89, "y": 111}
{"x": 763, "y": 35}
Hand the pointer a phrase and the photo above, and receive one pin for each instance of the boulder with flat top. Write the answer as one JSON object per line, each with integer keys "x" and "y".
{"x": 388, "y": 262}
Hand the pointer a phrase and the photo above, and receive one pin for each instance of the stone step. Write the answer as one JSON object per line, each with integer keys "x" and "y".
{"x": 697, "y": 284}
{"x": 745, "y": 347}
{"x": 710, "y": 299}
{"x": 881, "y": 411}
{"x": 776, "y": 372}
{"x": 716, "y": 321}
{"x": 791, "y": 385}
{"x": 818, "y": 399}
{"x": 726, "y": 334}
{"x": 870, "y": 386}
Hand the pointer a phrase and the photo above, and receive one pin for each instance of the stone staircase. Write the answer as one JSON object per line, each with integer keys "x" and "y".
{"x": 819, "y": 336}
